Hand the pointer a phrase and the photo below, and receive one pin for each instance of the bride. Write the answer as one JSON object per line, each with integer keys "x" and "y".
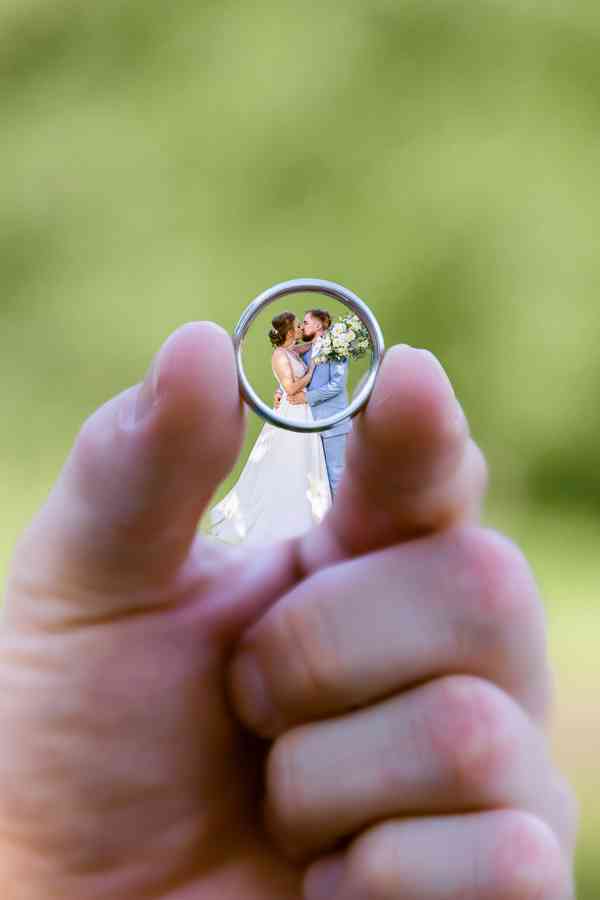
{"x": 283, "y": 488}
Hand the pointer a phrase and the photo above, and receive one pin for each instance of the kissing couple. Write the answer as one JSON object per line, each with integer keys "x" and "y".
{"x": 290, "y": 478}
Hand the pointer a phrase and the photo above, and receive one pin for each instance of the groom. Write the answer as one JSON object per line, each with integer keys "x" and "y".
{"x": 326, "y": 395}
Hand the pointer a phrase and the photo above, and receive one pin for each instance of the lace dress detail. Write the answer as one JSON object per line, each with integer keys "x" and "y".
{"x": 299, "y": 369}
{"x": 283, "y": 489}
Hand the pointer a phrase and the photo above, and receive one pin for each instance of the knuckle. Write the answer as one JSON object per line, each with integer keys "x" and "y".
{"x": 498, "y": 580}
{"x": 528, "y": 863}
{"x": 309, "y": 632}
{"x": 474, "y": 733}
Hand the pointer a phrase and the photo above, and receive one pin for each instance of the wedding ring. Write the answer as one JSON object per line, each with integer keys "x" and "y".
{"x": 337, "y": 292}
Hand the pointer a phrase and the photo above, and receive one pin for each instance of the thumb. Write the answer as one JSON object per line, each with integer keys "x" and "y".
{"x": 125, "y": 508}
{"x": 412, "y": 467}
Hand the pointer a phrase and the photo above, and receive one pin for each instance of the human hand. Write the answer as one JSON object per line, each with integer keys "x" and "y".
{"x": 277, "y": 399}
{"x": 123, "y": 772}
{"x": 407, "y": 690}
{"x": 120, "y": 620}
{"x": 298, "y": 398}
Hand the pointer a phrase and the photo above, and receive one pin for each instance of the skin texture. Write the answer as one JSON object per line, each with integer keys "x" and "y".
{"x": 399, "y": 651}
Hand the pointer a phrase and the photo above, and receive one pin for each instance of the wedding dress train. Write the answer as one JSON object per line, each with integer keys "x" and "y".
{"x": 283, "y": 489}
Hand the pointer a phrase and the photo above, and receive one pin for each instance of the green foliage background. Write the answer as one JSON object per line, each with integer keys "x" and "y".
{"x": 161, "y": 163}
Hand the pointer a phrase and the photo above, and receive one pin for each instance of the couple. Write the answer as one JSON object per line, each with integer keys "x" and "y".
{"x": 290, "y": 478}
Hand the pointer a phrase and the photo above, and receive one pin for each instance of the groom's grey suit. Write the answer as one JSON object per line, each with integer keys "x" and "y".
{"x": 326, "y": 395}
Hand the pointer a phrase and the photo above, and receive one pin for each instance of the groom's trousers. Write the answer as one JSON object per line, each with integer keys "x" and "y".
{"x": 335, "y": 458}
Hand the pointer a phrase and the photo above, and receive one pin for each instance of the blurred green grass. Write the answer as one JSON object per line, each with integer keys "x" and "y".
{"x": 165, "y": 164}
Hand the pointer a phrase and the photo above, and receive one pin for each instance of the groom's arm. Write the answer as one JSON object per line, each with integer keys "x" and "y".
{"x": 335, "y": 385}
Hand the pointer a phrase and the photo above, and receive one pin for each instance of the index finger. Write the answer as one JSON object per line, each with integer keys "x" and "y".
{"x": 412, "y": 467}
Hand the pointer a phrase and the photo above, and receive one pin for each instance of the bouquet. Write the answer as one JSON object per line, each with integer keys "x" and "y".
{"x": 347, "y": 339}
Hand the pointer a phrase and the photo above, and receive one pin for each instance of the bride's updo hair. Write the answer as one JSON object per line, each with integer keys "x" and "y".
{"x": 282, "y": 324}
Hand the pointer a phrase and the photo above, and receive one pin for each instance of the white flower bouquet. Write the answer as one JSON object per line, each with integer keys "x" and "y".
{"x": 347, "y": 339}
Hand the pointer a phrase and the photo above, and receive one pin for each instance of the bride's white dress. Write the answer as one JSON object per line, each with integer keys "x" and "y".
{"x": 283, "y": 489}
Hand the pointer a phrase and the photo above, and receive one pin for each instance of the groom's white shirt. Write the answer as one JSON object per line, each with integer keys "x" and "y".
{"x": 314, "y": 350}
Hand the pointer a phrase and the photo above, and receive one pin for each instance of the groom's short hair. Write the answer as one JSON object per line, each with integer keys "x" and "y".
{"x": 322, "y": 315}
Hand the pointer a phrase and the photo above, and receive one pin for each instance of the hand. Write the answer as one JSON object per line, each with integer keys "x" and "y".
{"x": 120, "y": 621}
{"x": 297, "y": 399}
{"x": 407, "y": 691}
{"x": 277, "y": 399}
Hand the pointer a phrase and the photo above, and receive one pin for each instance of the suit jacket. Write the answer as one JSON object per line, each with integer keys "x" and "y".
{"x": 327, "y": 393}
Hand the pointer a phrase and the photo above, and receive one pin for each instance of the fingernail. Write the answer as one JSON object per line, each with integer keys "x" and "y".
{"x": 256, "y": 709}
{"x": 147, "y": 394}
{"x": 323, "y": 879}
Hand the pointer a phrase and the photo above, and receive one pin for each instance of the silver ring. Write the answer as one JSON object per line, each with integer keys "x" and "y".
{"x": 317, "y": 286}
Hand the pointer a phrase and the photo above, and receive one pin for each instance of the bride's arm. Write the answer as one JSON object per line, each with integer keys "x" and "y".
{"x": 283, "y": 370}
